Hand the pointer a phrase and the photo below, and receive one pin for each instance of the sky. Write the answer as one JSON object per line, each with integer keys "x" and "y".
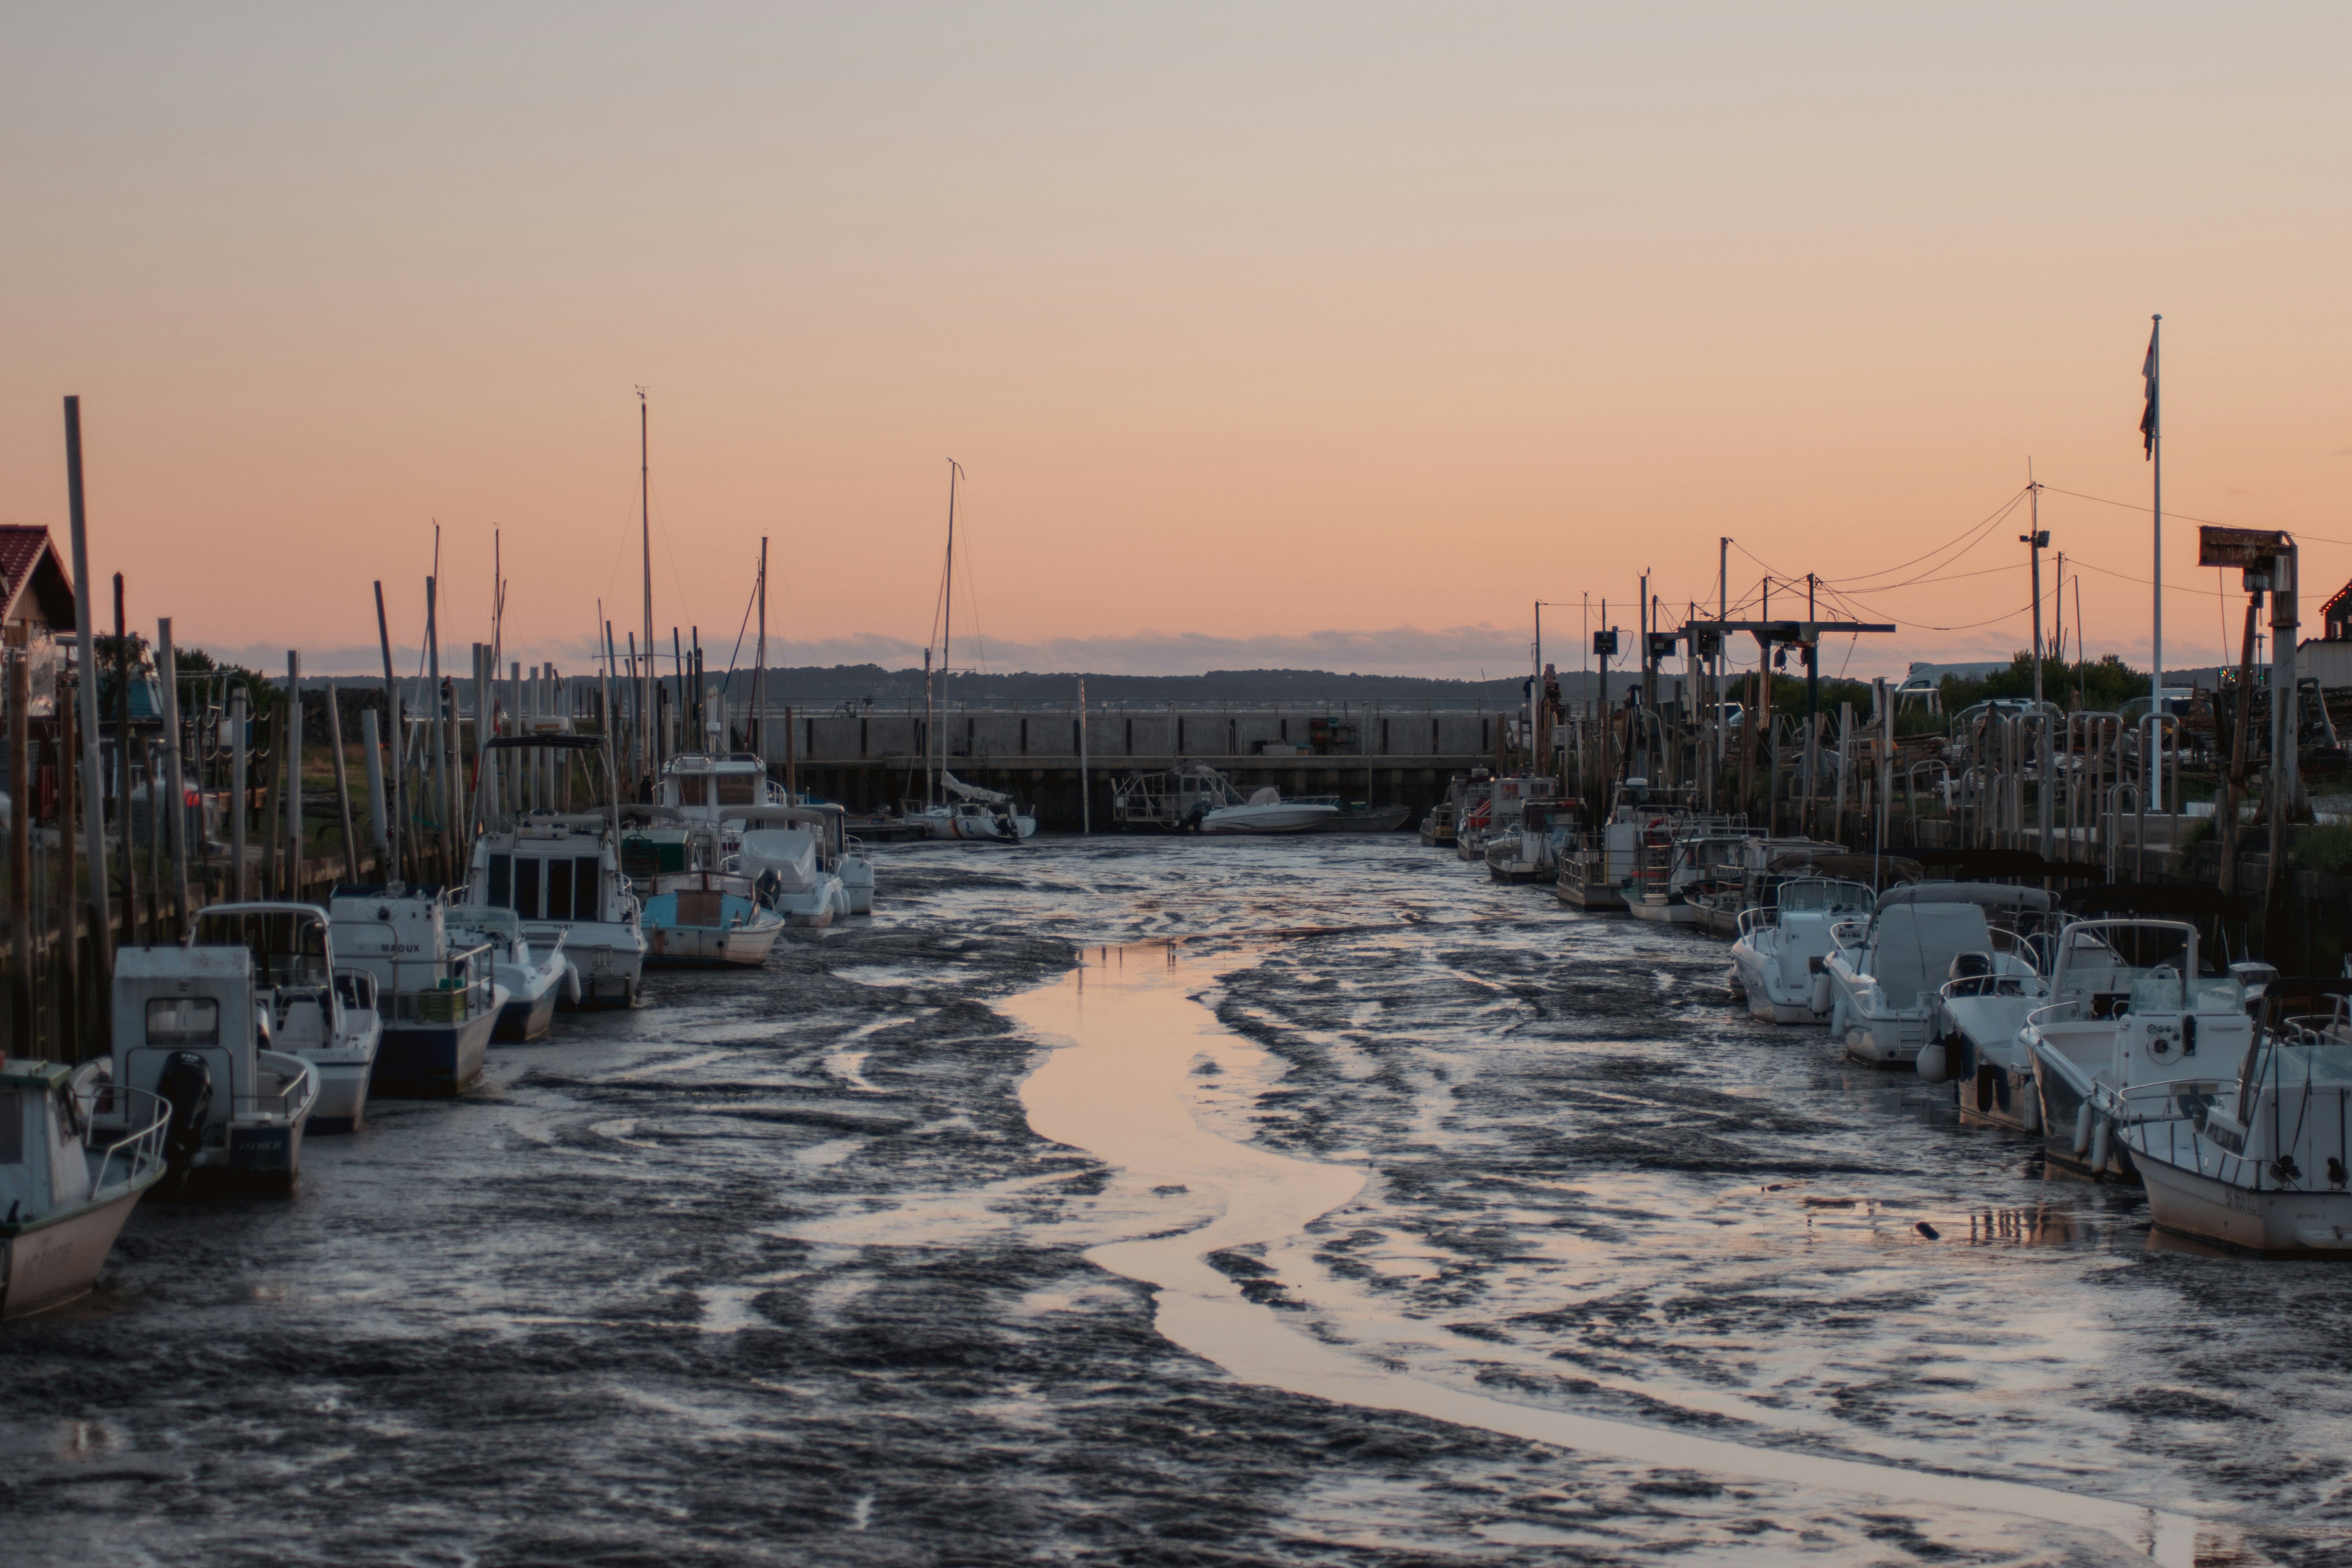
{"x": 1308, "y": 335}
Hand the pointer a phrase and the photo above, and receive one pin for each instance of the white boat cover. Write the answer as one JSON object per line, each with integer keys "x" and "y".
{"x": 1984, "y": 895}
{"x": 1913, "y": 949}
{"x": 790, "y": 852}
{"x": 972, "y": 792}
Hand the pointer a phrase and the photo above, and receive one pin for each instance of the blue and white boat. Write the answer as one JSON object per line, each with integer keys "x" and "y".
{"x": 440, "y": 997}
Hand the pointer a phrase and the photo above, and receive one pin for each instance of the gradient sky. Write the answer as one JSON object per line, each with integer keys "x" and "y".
{"x": 1307, "y": 334}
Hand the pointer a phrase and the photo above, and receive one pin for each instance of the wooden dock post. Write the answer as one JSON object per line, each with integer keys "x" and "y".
{"x": 168, "y": 666}
{"x": 240, "y": 789}
{"x": 93, "y": 809}
{"x": 20, "y": 856}
{"x": 342, "y": 787}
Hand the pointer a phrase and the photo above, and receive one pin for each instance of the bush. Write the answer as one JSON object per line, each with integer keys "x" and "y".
{"x": 2326, "y": 848}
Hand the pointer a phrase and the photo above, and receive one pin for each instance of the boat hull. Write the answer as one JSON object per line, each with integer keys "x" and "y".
{"x": 1588, "y": 895}
{"x": 1385, "y": 819}
{"x": 527, "y": 1018}
{"x": 711, "y": 947}
{"x": 52, "y": 1261}
{"x": 432, "y": 1061}
{"x": 1267, "y": 819}
{"x": 2276, "y": 1224}
{"x": 1661, "y": 912}
{"x": 343, "y": 1095}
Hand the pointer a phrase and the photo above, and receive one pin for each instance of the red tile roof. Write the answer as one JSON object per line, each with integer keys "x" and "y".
{"x": 22, "y": 547}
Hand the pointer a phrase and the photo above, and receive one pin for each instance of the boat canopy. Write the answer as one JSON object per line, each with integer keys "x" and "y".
{"x": 972, "y": 792}
{"x": 1984, "y": 895}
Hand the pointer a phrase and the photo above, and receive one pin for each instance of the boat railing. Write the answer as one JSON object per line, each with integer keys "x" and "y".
{"x": 1986, "y": 985}
{"x": 357, "y": 988}
{"x": 105, "y": 1106}
{"x": 448, "y": 990}
{"x": 1847, "y": 935}
{"x": 285, "y": 1102}
{"x": 1758, "y": 918}
{"x": 2058, "y": 1012}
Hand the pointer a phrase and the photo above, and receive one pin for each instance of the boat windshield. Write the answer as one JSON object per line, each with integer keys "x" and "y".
{"x": 1800, "y": 898}
{"x": 2301, "y": 1059}
{"x": 491, "y": 921}
{"x": 288, "y": 948}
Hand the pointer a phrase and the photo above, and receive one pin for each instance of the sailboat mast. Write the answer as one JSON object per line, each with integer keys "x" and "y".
{"x": 758, "y": 725}
{"x": 652, "y": 759}
{"x": 947, "y": 616}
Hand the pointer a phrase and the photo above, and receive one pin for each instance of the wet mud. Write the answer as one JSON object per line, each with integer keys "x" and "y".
{"x": 797, "y": 1266}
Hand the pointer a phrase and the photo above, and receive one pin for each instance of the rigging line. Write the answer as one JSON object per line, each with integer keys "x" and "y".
{"x": 2184, "y": 517}
{"x": 2143, "y": 582}
{"x": 1924, "y": 626}
{"x": 677, "y": 577}
{"x": 752, "y": 598}
{"x": 1966, "y": 541}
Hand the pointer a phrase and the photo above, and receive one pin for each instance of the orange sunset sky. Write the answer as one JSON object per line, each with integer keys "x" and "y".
{"x": 1310, "y": 335}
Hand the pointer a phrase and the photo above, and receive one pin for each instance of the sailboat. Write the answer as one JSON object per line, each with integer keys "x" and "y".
{"x": 975, "y": 813}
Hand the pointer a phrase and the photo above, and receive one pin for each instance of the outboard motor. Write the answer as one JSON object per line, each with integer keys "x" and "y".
{"x": 187, "y": 1083}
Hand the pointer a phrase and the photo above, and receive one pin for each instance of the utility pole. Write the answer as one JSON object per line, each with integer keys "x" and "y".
{"x": 2151, "y": 427}
{"x": 758, "y": 725}
{"x": 651, "y": 763}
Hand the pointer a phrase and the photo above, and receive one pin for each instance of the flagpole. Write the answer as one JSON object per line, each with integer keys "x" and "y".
{"x": 2156, "y": 455}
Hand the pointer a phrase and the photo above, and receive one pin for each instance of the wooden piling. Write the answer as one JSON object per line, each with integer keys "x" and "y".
{"x": 342, "y": 787}
{"x": 20, "y": 855}
{"x": 168, "y": 665}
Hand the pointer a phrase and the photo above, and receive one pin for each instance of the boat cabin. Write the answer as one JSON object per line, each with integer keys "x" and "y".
{"x": 191, "y": 1027}
{"x": 703, "y": 787}
{"x": 42, "y": 1128}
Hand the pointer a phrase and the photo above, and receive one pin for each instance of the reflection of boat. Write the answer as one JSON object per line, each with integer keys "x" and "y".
{"x": 188, "y": 1029}
{"x": 323, "y": 1013}
{"x": 1778, "y": 961}
{"x": 75, "y": 1153}
{"x": 440, "y": 997}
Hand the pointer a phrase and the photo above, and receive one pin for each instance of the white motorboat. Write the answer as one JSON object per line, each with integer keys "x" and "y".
{"x": 1266, "y": 812}
{"x": 561, "y": 873}
{"x": 1885, "y": 978}
{"x": 2257, "y": 1158}
{"x": 798, "y": 855}
{"x": 75, "y": 1151}
{"x": 536, "y": 976}
{"x": 439, "y": 997}
{"x": 2134, "y": 1011}
{"x": 190, "y": 1028}
{"x": 321, "y": 1011}
{"x": 1777, "y": 963}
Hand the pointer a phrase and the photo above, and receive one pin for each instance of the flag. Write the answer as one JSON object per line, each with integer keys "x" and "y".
{"x": 2147, "y": 415}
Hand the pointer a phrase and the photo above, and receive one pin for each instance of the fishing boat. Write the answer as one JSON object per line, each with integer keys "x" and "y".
{"x": 1763, "y": 863}
{"x": 561, "y": 874}
{"x": 1885, "y": 977}
{"x": 705, "y": 787}
{"x": 1777, "y": 961}
{"x": 801, "y": 857}
{"x": 2256, "y": 1156}
{"x": 76, "y": 1152}
{"x": 536, "y": 976}
{"x": 2135, "y": 1010}
{"x": 1674, "y": 861}
{"x": 189, "y": 1029}
{"x": 319, "y": 1011}
{"x": 1594, "y": 875}
{"x": 699, "y": 911}
{"x": 440, "y": 996}
{"x": 1529, "y": 850}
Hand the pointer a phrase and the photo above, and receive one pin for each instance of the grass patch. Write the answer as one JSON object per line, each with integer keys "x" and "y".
{"x": 2326, "y": 848}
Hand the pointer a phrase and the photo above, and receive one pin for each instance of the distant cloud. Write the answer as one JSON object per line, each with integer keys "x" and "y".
{"x": 2342, "y": 452}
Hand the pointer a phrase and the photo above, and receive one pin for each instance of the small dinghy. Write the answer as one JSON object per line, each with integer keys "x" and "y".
{"x": 190, "y": 1028}
{"x": 75, "y": 1151}
{"x": 324, "y": 1015}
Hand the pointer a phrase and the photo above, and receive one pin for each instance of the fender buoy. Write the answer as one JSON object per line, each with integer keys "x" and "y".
{"x": 1931, "y": 1061}
{"x": 2099, "y": 1146}
{"x": 1821, "y": 996}
{"x": 2083, "y": 1129}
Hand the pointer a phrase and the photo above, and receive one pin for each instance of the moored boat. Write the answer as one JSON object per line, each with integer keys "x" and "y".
{"x": 1886, "y": 976}
{"x": 76, "y": 1152}
{"x": 1777, "y": 961}
{"x": 440, "y": 997}
{"x": 189, "y": 1028}
{"x": 535, "y": 976}
{"x": 323, "y": 1012}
